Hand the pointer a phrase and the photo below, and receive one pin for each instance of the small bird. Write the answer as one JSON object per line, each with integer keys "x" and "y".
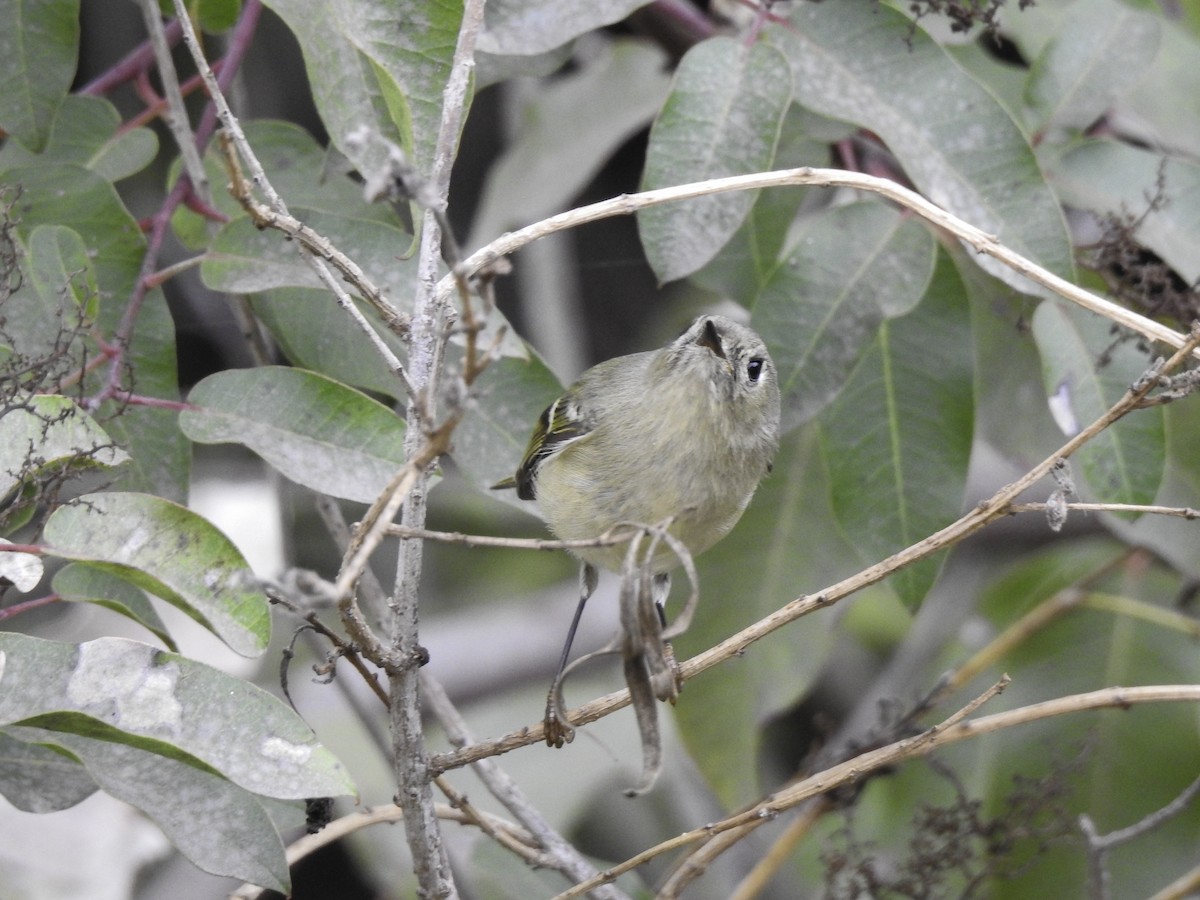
{"x": 683, "y": 433}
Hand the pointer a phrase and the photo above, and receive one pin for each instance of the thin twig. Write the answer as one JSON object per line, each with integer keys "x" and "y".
{"x": 1182, "y": 512}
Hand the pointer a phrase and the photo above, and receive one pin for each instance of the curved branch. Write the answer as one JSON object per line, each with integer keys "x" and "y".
{"x": 980, "y": 240}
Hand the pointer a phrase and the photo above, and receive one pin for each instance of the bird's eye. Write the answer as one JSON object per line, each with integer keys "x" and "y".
{"x": 754, "y": 369}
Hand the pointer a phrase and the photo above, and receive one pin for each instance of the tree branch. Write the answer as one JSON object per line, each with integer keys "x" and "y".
{"x": 981, "y": 241}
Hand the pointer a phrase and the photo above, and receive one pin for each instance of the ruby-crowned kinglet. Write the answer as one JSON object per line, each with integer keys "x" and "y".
{"x": 687, "y": 431}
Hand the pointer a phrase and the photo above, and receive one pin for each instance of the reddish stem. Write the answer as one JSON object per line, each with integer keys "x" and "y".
{"x": 17, "y": 608}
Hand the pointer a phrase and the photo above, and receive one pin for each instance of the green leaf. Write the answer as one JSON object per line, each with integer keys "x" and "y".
{"x": 39, "y": 779}
{"x": 302, "y": 172}
{"x": 39, "y": 40}
{"x": 363, "y": 68}
{"x": 166, "y": 705}
{"x": 81, "y": 583}
{"x": 1089, "y": 372}
{"x": 898, "y": 438}
{"x": 1164, "y": 107}
{"x": 60, "y": 269}
{"x": 864, "y": 63}
{"x": 751, "y": 257}
{"x": 780, "y": 548}
{"x": 185, "y": 801}
{"x": 723, "y": 117}
{"x": 526, "y": 27}
{"x": 850, "y": 268}
{"x": 1113, "y": 178}
{"x": 317, "y": 432}
{"x": 1102, "y": 50}
{"x": 214, "y": 16}
{"x": 90, "y": 206}
{"x": 49, "y": 430}
{"x": 315, "y": 333}
{"x": 246, "y": 259}
{"x": 86, "y": 131}
{"x": 416, "y": 59}
{"x": 344, "y": 84}
{"x": 171, "y": 552}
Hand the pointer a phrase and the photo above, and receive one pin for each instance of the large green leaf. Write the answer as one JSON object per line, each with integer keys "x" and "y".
{"x": 898, "y": 438}
{"x": 850, "y": 268}
{"x": 315, "y": 333}
{"x": 751, "y": 257}
{"x": 1102, "y": 50}
{"x": 314, "y": 430}
{"x": 864, "y": 63}
{"x": 345, "y": 86}
{"x": 39, "y": 40}
{"x": 377, "y": 71}
{"x": 1115, "y": 179}
{"x": 38, "y": 779}
{"x": 1165, "y": 104}
{"x": 172, "y": 791}
{"x": 48, "y": 431}
{"x": 168, "y": 706}
{"x": 244, "y": 258}
{"x": 723, "y": 117}
{"x": 90, "y": 206}
{"x": 172, "y": 552}
{"x": 1086, "y": 373}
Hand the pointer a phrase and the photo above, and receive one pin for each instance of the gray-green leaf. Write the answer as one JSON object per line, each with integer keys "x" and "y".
{"x": 81, "y": 583}
{"x": 864, "y": 63}
{"x": 898, "y": 438}
{"x": 38, "y": 779}
{"x": 187, "y": 802}
{"x": 50, "y": 430}
{"x": 39, "y": 40}
{"x": 526, "y": 27}
{"x": 171, "y": 552}
{"x": 1102, "y": 50}
{"x": 723, "y": 117}
{"x": 850, "y": 268}
{"x": 317, "y": 432}
{"x": 164, "y": 704}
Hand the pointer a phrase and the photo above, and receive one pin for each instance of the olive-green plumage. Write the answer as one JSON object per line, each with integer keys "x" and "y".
{"x": 687, "y": 431}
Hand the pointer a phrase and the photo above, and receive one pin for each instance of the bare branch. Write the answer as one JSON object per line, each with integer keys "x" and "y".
{"x": 981, "y": 241}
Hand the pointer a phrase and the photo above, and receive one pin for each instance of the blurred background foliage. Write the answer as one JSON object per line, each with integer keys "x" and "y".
{"x": 918, "y": 378}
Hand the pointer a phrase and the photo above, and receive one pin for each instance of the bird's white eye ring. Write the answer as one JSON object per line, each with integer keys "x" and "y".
{"x": 754, "y": 368}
